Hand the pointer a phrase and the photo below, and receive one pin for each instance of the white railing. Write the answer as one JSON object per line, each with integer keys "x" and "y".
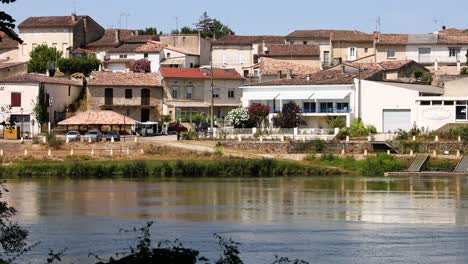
{"x": 280, "y": 134}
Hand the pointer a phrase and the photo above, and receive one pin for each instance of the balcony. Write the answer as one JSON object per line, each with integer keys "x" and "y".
{"x": 318, "y": 111}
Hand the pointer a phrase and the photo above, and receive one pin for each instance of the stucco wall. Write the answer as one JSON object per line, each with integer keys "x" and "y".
{"x": 61, "y": 38}
{"x": 9, "y": 54}
{"x": 340, "y": 50}
{"x": 400, "y": 52}
{"x": 456, "y": 87}
{"x": 12, "y": 71}
{"x": 233, "y": 56}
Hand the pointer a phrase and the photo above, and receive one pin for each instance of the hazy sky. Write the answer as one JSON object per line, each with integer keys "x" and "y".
{"x": 260, "y": 17}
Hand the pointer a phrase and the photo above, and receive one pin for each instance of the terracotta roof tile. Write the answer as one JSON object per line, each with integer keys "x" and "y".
{"x": 323, "y": 77}
{"x": 50, "y": 21}
{"x": 38, "y": 78}
{"x": 98, "y": 117}
{"x": 141, "y": 39}
{"x": 320, "y": 33}
{"x": 6, "y": 42}
{"x": 393, "y": 39}
{"x": 276, "y": 50}
{"x": 270, "y": 66}
{"x": 351, "y": 37}
{"x": 4, "y": 64}
{"x": 123, "y": 79}
{"x": 248, "y": 40}
{"x": 198, "y": 73}
{"x": 110, "y": 39}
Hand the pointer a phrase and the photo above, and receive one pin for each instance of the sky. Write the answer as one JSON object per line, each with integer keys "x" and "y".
{"x": 258, "y": 17}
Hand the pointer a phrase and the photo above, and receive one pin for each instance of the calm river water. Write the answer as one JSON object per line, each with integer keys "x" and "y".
{"x": 320, "y": 220}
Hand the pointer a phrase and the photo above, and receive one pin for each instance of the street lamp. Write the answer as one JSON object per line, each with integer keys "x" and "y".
{"x": 51, "y": 100}
{"x": 22, "y": 121}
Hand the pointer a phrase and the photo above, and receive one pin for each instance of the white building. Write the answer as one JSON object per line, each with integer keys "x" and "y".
{"x": 21, "y": 91}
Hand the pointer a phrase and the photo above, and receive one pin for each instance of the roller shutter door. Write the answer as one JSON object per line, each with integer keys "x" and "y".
{"x": 395, "y": 119}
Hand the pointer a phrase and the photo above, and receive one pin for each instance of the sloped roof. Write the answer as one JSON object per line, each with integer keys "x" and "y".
{"x": 141, "y": 39}
{"x": 4, "y": 64}
{"x": 50, "y": 21}
{"x": 38, "y": 78}
{"x": 98, "y": 117}
{"x": 131, "y": 79}
{"x": 6, "y": 42}
{"x": 198, "y": 73}
{"x": 422, "y": 39}
{"x": 109, "y": 37}
{"x": 248, "y": 40}
{"x": 321, "y": 78}
{"x": 320, "y": 33}
{"x": 139, "y": 48}
{"x": 351, "y": 37}
{"x": 393, "y": 39}
{"x": 269, "y": 66}
{"x": 381, "y": 66}
{"x": 281, "y": 50}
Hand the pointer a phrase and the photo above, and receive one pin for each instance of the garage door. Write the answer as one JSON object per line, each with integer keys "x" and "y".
{"x": 394, "y": 119}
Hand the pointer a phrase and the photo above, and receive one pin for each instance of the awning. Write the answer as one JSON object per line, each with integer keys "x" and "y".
{"x": 261, "y": 95}
{"x": 295, "y": 96}
{"x": 188, "y": 104}
{"x": 322, "y": 95}
{"x": 172, "y": 61}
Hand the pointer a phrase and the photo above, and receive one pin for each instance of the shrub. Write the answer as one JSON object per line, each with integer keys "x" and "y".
{"x": 189, "y": 135}
{"x": 80, "y": 64}
{"x": 53, "y": 141}
{"x": 358, "y": 129}
{"x": 339, "y": 122}
{"x": 418, "y": 73}
{"x": 289, "y": 117}
{"x": 218, "y": 150}
{"x": 239, "y": 118}
{"x": 142, "y": 65}
{"x": 315, "y": 145}
{"x": 464, "y": 71}
{"x": 258, "y": 113}
{"x": 40, "y": 58}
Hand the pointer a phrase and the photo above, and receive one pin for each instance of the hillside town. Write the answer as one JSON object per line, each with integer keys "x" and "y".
{"x": 389, "y": 81}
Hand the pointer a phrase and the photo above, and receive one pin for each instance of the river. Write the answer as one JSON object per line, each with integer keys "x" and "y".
{"x": 318, "y": 219}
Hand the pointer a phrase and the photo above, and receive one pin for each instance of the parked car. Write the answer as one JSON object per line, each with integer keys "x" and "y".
{"x": 73, "y": 136}
{"x": 176, "y": 128}
{"x": 113, "y": 134}
{"x": 94, "y": 135}
{"x": 204, "y": 127}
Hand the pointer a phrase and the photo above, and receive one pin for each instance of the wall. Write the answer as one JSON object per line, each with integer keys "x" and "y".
{"x": 233, "y": 56}
{"x": 308, "y": 61}
{"x": 439, "y": 52}
{"x": 400, "y": 52}
{"x": 12, "y": 71}
{"x": 9, "y": 54}
{"x": 456, "y": 87}
{"x": 153, "y": 58}
{"x": 377, "y": 96}
{"x": 340, "y": 50}
{"x": 61, "y": 38}
{"x": 86, "y": 31}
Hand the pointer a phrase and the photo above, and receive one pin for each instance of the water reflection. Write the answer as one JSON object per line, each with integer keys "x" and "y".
{"x": 249, "y": 201}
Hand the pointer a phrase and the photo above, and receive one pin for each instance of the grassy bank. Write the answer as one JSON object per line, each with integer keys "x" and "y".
{"x": 372, "y": 166}
{"x": 231, "y": 167}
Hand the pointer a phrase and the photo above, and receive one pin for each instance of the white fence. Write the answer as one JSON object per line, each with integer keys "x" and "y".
{"x": 230, "y": 133}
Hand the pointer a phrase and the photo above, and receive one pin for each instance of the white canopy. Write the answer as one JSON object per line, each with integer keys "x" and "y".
{"x": 323, "y": 95}
{"x": 261, "y": 95}
{"x": 295, "y": 96}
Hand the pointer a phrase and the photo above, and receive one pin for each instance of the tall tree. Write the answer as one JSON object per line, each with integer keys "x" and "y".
{"x": 40, "y": 107}
{"x": 41, "y": 56}
{"x": 211, "y": 28}
{"x": 7, "y": 23}
{"x": 148, "y": 31}
{"x": 81, "y": 64}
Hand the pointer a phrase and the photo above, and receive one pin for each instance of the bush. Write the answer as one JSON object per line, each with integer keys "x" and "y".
{"x": 464, "y": 71}
{"x": 440, "y": 165}
{"x": 81, "y": 64}
{"x": 218, "y": 150}
{"x": 142, "y": 65}
{"x": 239, "y": 118}
{"x": 315, "y": 145}
{"x": 41, "y": 56}
{"x": 53, "y": 141}
{"x": 339, "y": 122}
{"x": 357, "y": 129}
{"x": 418, "y": 73}
{"x": 189, "y": 135}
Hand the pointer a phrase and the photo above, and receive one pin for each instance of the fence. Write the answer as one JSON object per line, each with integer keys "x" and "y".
{"x": 229, "y": 133}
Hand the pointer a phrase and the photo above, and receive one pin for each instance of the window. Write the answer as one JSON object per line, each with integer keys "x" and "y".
{"x": 326, "y": 107}
{"x": 309, "y": 107}
{"x": 366, "y": 50}
{"x": 128, "y": 94}
{"x": 16, "y": 99}
{"x": 448, "y": 103}
{"x": 109, "y": 96}
{"x": 231, "y": 94}
{"x": 123, "y": 56}
{"x": 436, "y": 102}
{"x": 168, "y": 55}
{"x": 145, "y": 97}
{"x": 191, "y": 65}
{"x": 326, "y": 57}
{"x": 342, "y": 107}
{"x": 69, "y": 90}
{"x": 352, "y": 54}
{"x": 454, "y": 52}
{"x": 216, "y": 93}
{"x": 145, "y": 55}
{"x": 304, "y": 42}
{"x": 189, "y": 92}
{"x": 246, "y": 73}
{"x": 175, "y": 93}
{"x": 425, "y": 102}
{"x": 391, "y": 53}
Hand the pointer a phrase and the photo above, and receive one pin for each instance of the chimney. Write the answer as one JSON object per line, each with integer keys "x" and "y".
{"x": 343, "y": 70}
{"x": 308, "y": 76}
{"x": 117, "y": 36}
{"x": 280, "y": 73}
{"x": 73, "y": 17}
{"x": 444, "y": 27}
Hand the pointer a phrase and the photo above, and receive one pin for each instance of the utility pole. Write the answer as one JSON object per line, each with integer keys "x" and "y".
{"x": 212, "y": 92}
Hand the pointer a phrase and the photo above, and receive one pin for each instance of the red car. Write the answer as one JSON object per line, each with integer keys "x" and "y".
{"x": 176, "y": 128}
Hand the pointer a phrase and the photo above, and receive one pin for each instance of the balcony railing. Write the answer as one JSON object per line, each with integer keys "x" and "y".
{"x": 318, "y": 111}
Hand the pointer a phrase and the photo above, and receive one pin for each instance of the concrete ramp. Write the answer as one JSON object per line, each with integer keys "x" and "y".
{"x": 418, "y": 163}
{"x": 462, "y": 165}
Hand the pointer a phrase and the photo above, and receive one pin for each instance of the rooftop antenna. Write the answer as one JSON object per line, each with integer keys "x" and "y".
{"x": 74, "y": 7}
{"x": 436, "y": 23}
{"x": 126, "y": 15}
{"x": 177, "y": 25}
{"x": 378, "y": 24}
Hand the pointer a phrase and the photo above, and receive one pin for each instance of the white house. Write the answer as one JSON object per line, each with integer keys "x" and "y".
{"x": 21, "y": 91}
{"x": 443, "y": 48}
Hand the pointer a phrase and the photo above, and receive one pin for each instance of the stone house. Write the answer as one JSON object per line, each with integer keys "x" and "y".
{"x": 187, "y": 92}
{"x": 8, "y": 48}
{"x": 136, "y": 95}
{"x": 190, "y": 43}
{"x": 351, "y": 47}
{"x": 308, "y": 55}
{"x": 10, "y": 68}
{"x": 112, "y": 37}
{"x": 66, "y": 33}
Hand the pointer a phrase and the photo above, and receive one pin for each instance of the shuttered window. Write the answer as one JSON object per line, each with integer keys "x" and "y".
{"x": 16, "y": 99}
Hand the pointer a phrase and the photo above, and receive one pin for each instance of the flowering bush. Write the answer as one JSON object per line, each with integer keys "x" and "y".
{"x": 142, "y": 65}
{"x": 238, "y": 117}
{"x": 258, "y": 113}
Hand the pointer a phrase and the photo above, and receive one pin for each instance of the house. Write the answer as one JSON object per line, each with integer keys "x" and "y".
{"x": 10, "y": 68}
{"x": 136, "y": 95}
{"x": 112, "y": 37}
{"x": 320, "y": 37}
{"x": 268, "y": 69}
{"x": 66, "y": 33}
{"x": 390, "y": 47}
{"x": 351, "y": 47}
{"x": 188, "y": 91}
{"x": 308, "y": 55}
{"x": 191, "y": 43}
{"x": 320, "y": 96}
{"x": 21, "y": 91}
{"x": 8, "y": 48}
{"x": 235, "y": 52}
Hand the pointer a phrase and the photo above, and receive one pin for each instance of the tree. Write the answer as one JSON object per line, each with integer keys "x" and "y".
{"x": 81, "y": 64}
{"x": 239, "y": 117}
{"x": 211, "y": 28}
{"x": 142, "y": 65}
{"x": 258, "y": 113}
{"x": 40, "y": 107}
{"x": 7, "y": 23}
{"x": 290, "y": 116}
{"x": 41, "y": 56}
{"x": 148, "y": 31}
